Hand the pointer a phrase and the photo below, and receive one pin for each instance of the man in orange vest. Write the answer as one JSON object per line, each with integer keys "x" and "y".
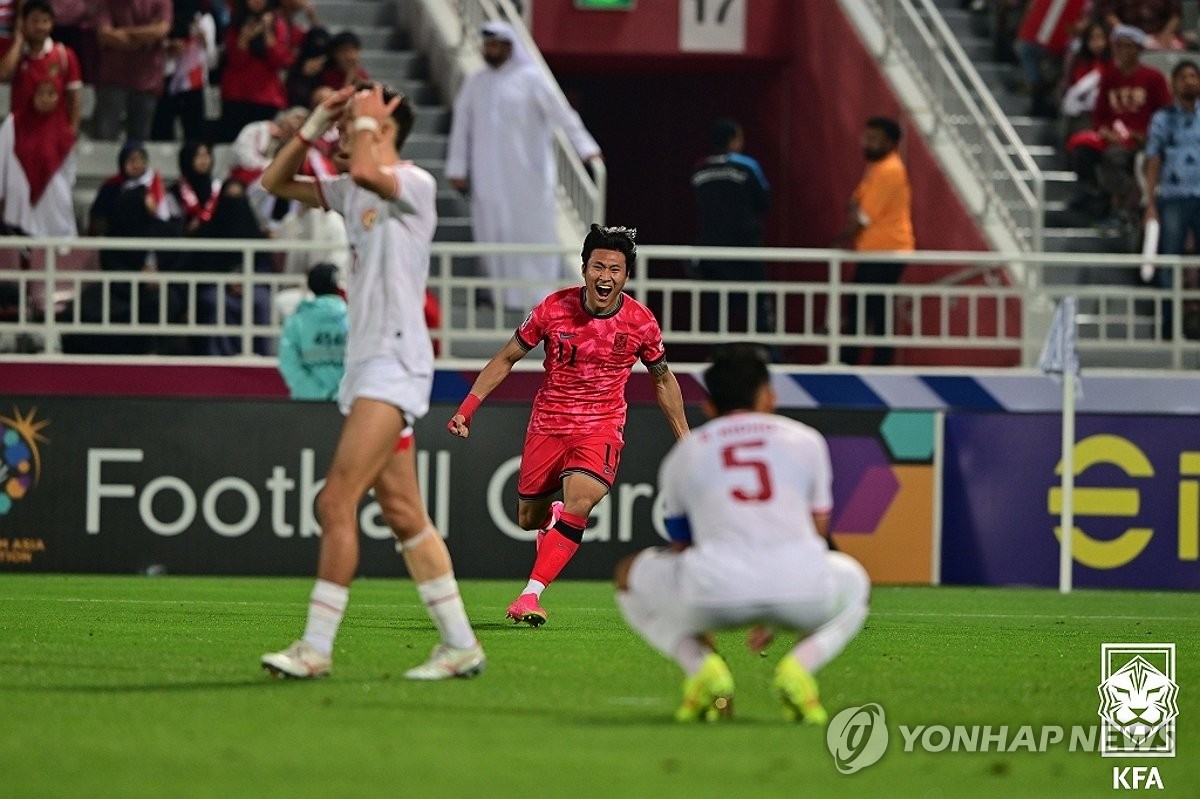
{"x": 878, "y": 219}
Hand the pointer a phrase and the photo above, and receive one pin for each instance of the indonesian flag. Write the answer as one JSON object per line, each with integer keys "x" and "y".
{"x": 42, "y": 143}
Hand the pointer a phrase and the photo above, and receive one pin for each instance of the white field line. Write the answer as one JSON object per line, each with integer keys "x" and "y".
{"x": 873, "y": 614}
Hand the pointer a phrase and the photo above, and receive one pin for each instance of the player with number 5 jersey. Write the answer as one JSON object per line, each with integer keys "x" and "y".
{"x": 746, "y": 502}
{"x": 592, "y": 335}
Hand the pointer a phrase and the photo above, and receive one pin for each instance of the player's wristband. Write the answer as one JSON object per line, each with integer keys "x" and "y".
{"x": 366, "y": 123}
{"x": 317, "y": 124}
{"x": 470, "y": 404}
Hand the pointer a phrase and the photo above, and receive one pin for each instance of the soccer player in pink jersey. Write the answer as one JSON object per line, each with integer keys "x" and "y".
{"x": 390, "y": 210}
{"x": 746, "y": 500}
{"x": 593, "y": 334}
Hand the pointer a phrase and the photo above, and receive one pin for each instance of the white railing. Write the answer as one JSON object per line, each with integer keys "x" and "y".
{"x": 1120, "y": 323}
{"x": 582, "y": 193}
{"x": 1010, "y": 184}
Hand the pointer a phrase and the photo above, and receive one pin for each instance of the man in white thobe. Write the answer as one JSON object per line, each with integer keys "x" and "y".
{"x": 501, "y": 149}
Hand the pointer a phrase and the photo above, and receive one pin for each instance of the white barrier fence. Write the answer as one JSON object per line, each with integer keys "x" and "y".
{"x": 971, "y": 307}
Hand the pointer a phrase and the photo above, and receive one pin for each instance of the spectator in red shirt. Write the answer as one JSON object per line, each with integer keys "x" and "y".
{"x": 1046, "y": 29}
{"x": 132, "y": 36}
{"x": 259, "y": 46}
{"x": 345, "y": 57}
{"x": 37, "y": 172}
{"x": 1128, "y": 96}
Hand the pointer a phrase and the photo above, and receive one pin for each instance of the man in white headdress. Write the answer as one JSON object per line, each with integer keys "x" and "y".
{"x": 501, "y": 151}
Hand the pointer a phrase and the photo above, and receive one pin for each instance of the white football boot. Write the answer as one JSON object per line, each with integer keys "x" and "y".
{"x": 299, "y": 660}
{"x": 447, "y": 661}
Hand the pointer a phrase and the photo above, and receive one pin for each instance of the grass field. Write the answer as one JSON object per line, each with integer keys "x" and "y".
{"x": 150, "y": 687}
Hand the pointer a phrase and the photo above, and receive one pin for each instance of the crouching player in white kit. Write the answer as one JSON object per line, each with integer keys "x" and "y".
{"x": 747, "y": 499}
{"x": 390, "y": 213}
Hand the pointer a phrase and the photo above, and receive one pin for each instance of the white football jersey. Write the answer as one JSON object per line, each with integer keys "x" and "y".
{"x": 389, "y": 265}
{"x": 748, "y": 484}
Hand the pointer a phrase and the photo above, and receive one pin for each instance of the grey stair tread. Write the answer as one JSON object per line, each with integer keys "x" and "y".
{"x": 392, "y": 65}
{"x": 336, "y": 14}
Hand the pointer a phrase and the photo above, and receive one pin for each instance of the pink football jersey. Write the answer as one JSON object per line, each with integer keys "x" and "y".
{"x": 588, "y": 361}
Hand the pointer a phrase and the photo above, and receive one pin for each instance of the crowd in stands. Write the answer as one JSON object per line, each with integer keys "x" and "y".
{"x": 1081, "y": 63}
{"x": 150, "y": 64}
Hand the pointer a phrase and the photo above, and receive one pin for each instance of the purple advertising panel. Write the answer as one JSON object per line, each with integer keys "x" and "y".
{"x": 1136, "y": 501}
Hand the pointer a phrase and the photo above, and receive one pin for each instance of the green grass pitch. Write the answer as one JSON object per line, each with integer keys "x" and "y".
{"x": 150, "y": 687}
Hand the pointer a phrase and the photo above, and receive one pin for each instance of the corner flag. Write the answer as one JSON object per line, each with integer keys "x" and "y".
{"x": 1059, "y": 355}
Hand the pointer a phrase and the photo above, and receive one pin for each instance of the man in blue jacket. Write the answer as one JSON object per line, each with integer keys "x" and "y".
{"x": 313, "y": 344}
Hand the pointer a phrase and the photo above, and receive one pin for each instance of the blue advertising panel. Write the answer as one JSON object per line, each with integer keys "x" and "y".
{"x": 1136, "y": 501}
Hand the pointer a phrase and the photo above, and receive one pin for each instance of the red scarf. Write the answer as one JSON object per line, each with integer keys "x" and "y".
{"x": 192, "y": 207}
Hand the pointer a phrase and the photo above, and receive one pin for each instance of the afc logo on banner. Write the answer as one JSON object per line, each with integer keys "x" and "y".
{"x": 1111, "y": 450}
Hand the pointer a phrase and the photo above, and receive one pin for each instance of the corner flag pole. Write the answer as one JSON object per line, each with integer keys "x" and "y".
{"x": 1066, "y": 520}
{"x": 1059, "y": 356}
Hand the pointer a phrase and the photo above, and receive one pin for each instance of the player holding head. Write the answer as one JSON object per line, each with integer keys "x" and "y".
{"x": 388, "y": 205}
{"x": 593, "y": 334}
{"x": 746, "y": 500}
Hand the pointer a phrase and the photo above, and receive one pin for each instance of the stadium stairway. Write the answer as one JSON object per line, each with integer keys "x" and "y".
{"x": 1065, "y": 230}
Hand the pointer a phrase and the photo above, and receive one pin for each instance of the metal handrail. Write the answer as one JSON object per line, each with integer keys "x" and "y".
{"x": 1114, "y": 318}
{"x": 966, "y": 113}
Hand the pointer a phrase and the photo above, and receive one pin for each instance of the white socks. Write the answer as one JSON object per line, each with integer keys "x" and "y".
{"x": 535, "y": 588}
{"x": 326, "y": 607}
{"x": 445, "y": 607}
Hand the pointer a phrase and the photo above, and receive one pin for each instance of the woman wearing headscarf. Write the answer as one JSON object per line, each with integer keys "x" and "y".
{"x": 305, "y": 75}
{"x": 233, "y": 218}
{"x": 133, "y": 171}
{"x": 193, "y": 197}
{"x": 132, "y": 214}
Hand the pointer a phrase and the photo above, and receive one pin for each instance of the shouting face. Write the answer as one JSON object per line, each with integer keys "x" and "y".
{"x": 604, "y": 277}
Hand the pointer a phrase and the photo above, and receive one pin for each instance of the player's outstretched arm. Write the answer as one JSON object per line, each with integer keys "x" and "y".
{"x": 280, "y": 176}
{"x": 492, "y": 375}
{"x": 670, "y": 398}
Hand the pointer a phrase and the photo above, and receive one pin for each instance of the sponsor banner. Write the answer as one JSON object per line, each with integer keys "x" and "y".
{"x": 1136, "y": 501}
{"x": 228, "y": 487}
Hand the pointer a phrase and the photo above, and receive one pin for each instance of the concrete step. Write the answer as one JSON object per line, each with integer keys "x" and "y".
{"x": 338, "y": 14}
{"x": 392, "y": 66}
{"x": 431, "y": 119}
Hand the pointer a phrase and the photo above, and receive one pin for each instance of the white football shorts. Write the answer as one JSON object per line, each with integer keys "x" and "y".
{"x": 660, "y": 578}
{"x": 385, "y": 379}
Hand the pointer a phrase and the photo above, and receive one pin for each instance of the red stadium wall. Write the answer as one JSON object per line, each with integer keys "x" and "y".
{"x": 802, "y": 90}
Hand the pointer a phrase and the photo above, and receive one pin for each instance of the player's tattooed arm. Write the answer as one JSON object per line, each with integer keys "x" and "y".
{"x": 670, "y": 398}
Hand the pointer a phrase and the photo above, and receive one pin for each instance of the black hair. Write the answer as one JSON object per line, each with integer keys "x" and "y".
{"x": 1186, "y": 63}
{"x": 29, "y": 6}
{"x": 316, "y": 43}
{"x": 323, "y": 279}
{"x": 344, "y": 38}
{"x": 403, "y": 114}
{"x": 721, "y": 133}
{"x": 737, "y": 374}
{"x": 621, "y": 239}
{"x": 888, "y": 126}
